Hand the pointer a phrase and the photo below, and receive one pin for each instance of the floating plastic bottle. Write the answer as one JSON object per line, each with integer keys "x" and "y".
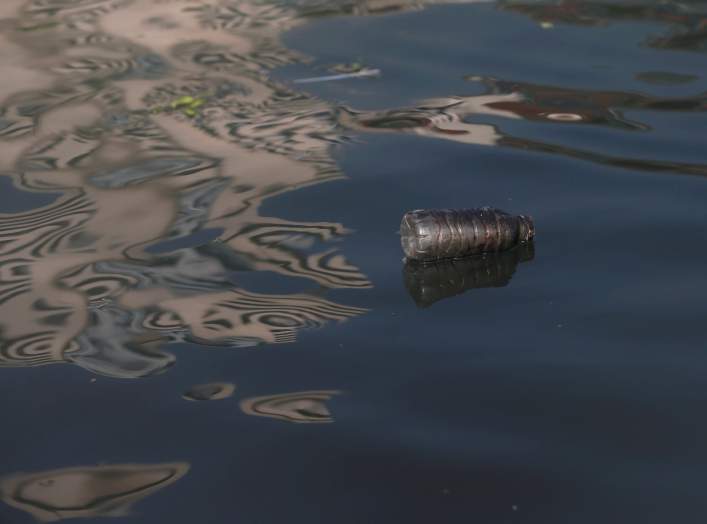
{"x": 429, "y": 235}
{"x": 429, "y": 283}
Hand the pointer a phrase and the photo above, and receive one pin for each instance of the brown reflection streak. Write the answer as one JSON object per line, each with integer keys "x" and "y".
{"x": 91, "y": 491}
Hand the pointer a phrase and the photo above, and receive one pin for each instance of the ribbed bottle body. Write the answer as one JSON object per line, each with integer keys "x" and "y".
{"x": 437, "y": 234}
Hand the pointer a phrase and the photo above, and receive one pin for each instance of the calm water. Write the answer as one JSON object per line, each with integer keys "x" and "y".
{"x": 204, "y": 313}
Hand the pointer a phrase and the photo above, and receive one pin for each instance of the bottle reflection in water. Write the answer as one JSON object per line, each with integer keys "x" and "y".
{"x": 429, "y": 283}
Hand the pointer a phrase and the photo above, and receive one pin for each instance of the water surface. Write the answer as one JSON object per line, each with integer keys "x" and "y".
{"x": 204, "y": 313}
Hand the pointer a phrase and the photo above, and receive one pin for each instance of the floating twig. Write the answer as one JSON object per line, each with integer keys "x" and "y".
{"x": 363, "y": 73}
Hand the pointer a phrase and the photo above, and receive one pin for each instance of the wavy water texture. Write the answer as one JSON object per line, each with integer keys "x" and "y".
{"x": 491, "y": 118}
{"x": 158, "y": 197}
{"x": 457, "y": 119}
{"x": 158, "y": 131}
{"x": 147, "y": 135}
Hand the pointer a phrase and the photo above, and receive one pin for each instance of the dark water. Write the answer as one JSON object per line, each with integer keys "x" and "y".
{"x": 204, "y": 312}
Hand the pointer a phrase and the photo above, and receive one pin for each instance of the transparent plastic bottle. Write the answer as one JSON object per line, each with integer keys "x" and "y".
{"x": 427, "y": 235}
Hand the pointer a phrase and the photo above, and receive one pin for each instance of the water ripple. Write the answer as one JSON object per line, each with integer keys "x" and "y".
{"x": 176, "y": 138}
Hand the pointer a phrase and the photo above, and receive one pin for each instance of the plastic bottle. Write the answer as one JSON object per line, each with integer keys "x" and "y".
{"x": 427, "y": 235}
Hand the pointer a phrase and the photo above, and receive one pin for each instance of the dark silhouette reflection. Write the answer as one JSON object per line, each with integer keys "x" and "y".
{"x": 300, "y": 407}
{"x": 687, "y": 20}
{"x": 557, "y": 104}
{"x": 91, "y": 491}
{"x": 453, "y": 118}
{"x": 430, "y": 283}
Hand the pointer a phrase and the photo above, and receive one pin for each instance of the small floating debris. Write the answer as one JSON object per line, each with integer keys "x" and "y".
{"x": 212, "y": 391}
{"x": 350, "y": 67}
{"x": 430, "y": 283}
{"x": 187, "y": 105}
{"x": 428, "y": 235}
{"x": 363, "y": 73}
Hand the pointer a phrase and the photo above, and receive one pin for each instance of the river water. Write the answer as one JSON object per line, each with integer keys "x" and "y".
{"x": 204, "y": 312}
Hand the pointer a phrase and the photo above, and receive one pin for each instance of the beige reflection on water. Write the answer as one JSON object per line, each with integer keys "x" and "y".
{"x": 157, "y": 125}
{"x": 95, "y": 277}
{"x": 300, "y": 407}
{"x": 90, "y": 491}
